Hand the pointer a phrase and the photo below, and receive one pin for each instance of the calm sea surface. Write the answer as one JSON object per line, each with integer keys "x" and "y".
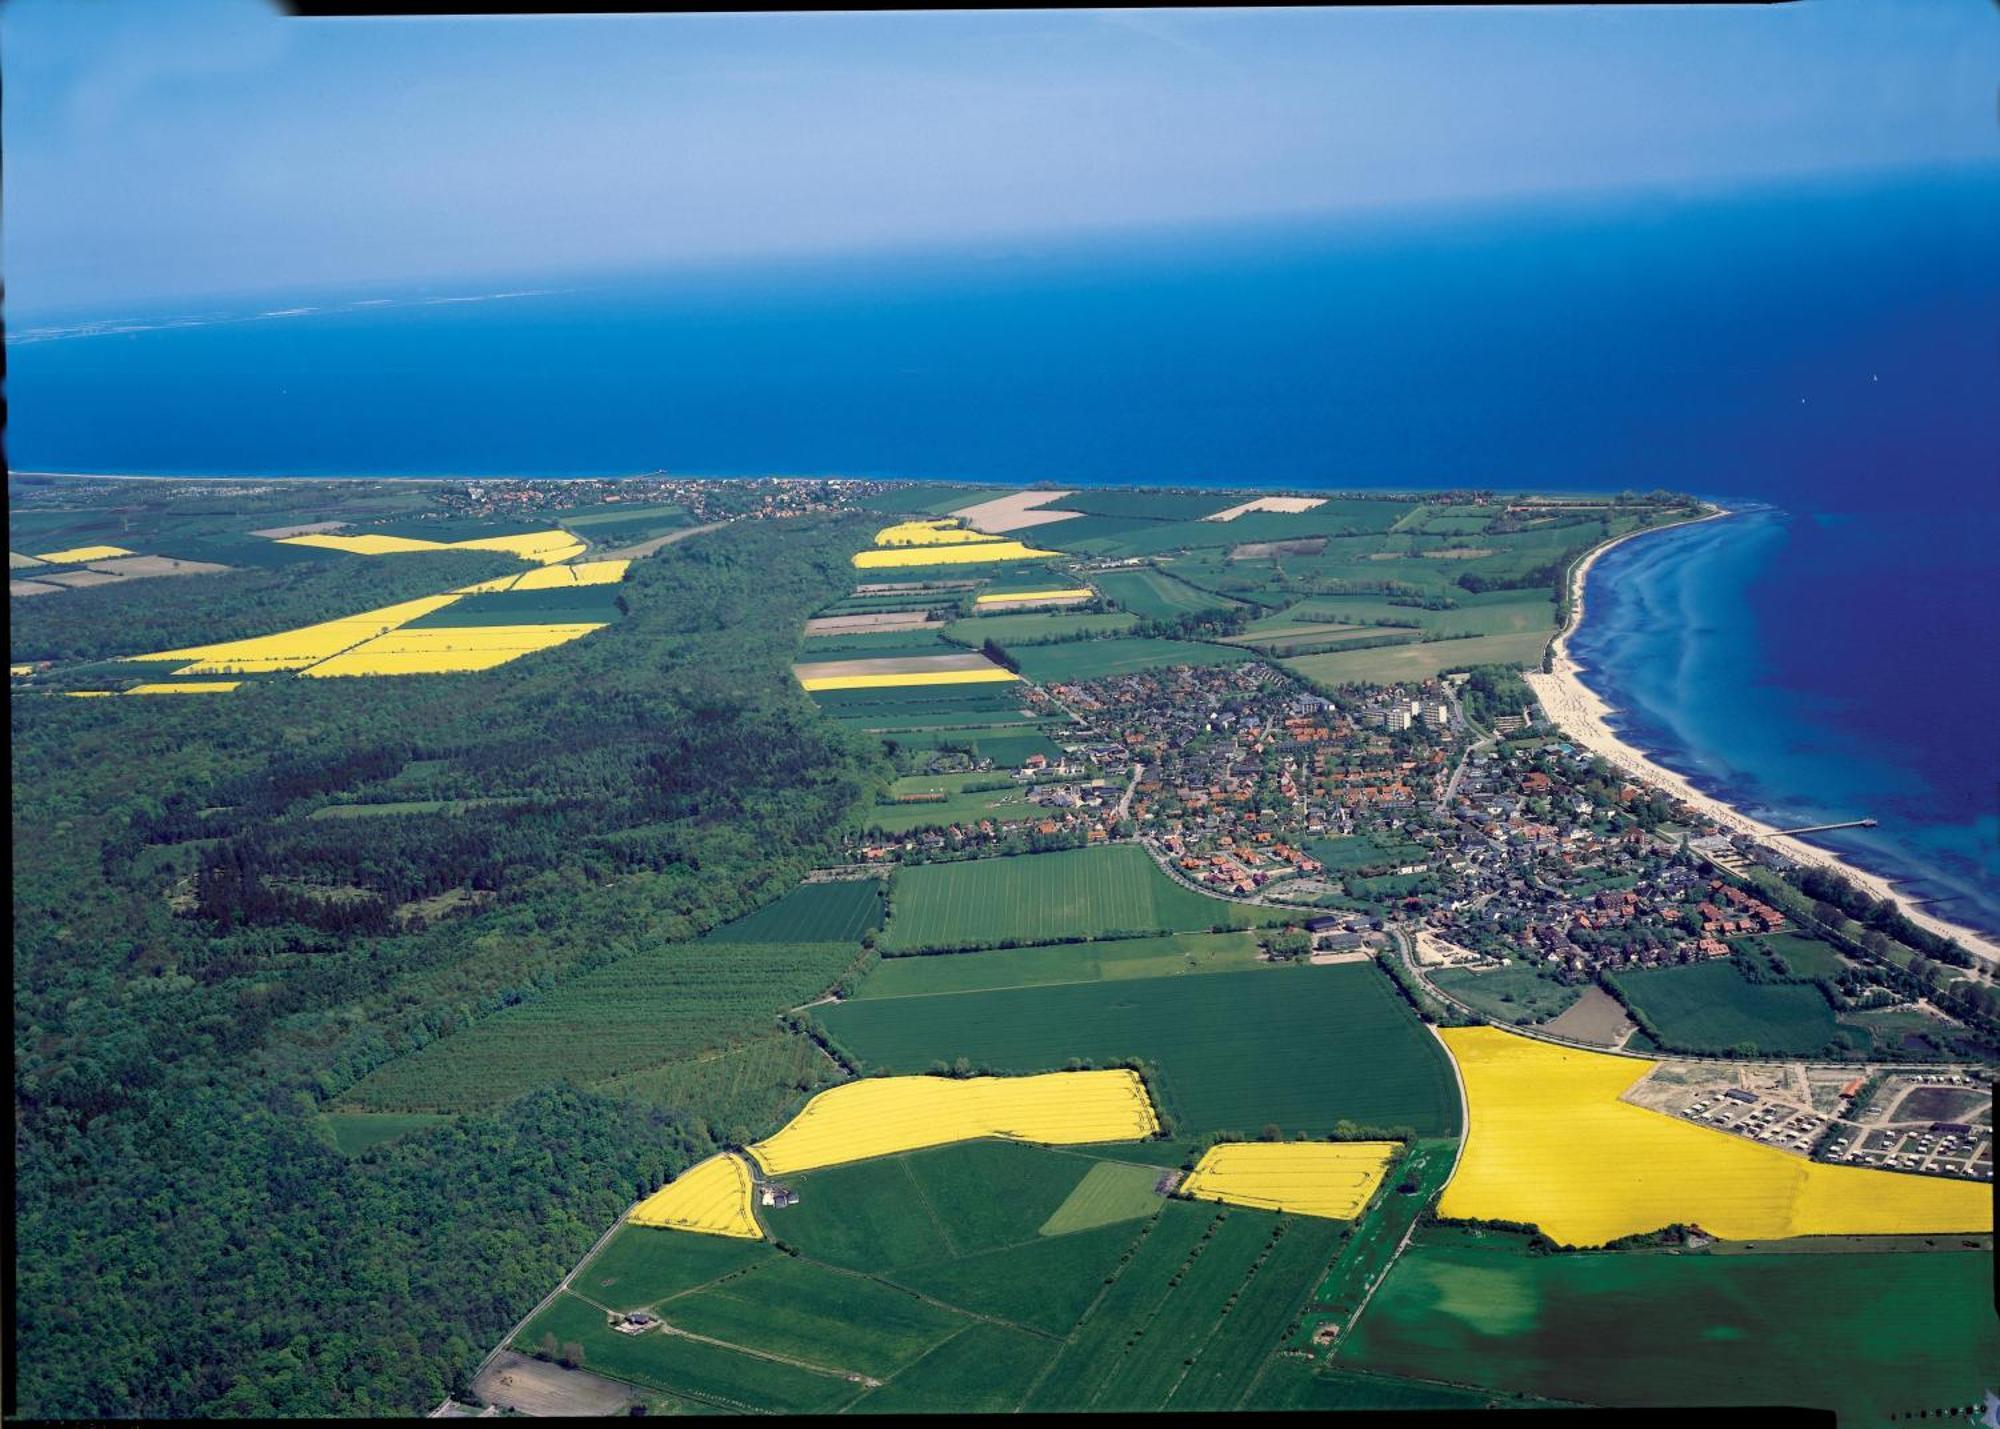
{"x": 1822, "y": 356}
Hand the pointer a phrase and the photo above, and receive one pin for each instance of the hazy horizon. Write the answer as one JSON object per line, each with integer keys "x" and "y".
{"x": 182, "y": 152}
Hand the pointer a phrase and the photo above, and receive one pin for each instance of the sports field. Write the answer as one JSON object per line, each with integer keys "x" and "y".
{"x": 1867, "y": 1336}
{"x": 1039, "y": 898}
{"x": 1351, "y": 1048}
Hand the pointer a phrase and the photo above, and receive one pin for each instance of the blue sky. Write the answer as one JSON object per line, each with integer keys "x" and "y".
{"x": 161, "y": 150}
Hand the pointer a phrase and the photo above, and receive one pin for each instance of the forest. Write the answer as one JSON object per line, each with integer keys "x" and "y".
{"x": 201, "y": 966}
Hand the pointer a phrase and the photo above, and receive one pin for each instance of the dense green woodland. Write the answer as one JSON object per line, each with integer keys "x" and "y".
{"x": 201, "y": 966}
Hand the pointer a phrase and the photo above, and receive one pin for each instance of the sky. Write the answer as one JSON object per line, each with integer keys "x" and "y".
{"x": 164, "y": 151}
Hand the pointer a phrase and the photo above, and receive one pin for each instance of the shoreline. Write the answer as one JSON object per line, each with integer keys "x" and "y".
{"x": 1584, "y": 716}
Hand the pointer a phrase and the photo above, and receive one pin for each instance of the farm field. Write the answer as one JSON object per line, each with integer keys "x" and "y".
{"x": 1102, "y": 961}
{"x": 640, "y": 1266}
{"x": 1031, "y": 629}
{"x": 1241, "y": 1347}
{"x": 1097, "y": 659}
{"x": 818, "y": 1315}
{"x": 1552, "y": 1145}
{"x": 710, "y": 1198}
{"x": 1191, "y": 1316}
{"x": 917, "y": 1209}
{"x": 879, "y": 1116}
{"x": 666, "y": 1004}
{"x": 1310, "y": 1178}
{"x": 1151, "y": 594}
{"x": 709, "y": 1374}
{"x": 1712, "y": 1007}
{"x": 1635, "y": 1329}
{"x": 834, "y": 912}
{"x": 1037, "y": 898}
{"x": 1391, "y": 664}
{"x": 1294, "y": 1384}
{"x": 980, "y": 1370}
{"x": 1354, "y": 1049}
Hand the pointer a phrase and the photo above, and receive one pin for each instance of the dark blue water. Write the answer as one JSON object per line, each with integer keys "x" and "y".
{"x": 1828, "y": 350}
{"x": 1811, "y": 669}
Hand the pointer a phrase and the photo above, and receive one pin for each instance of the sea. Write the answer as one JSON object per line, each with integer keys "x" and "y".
{"x": 1818, "y": 355}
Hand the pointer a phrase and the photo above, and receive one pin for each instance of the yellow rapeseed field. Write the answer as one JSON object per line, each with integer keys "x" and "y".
{"x": 1311, "y": 1178}
{"x": 171, "y": 688}
{"x": 497, "y": 583}
{"x": 880, "y": 1116}
{"x": 941, "y": 532}
{"x": 446, "y": 650}
{"x": 912, "y": 677}
{"x": 83, "y": 553}
{"x": 581, "y": 573}
{"x": 295, "y": 649}
{"x": 1074, "y": 593}
{"x": 372, "y": 543}
{"x": 948, "y": 555}
{"x": 542, "y": 547}
{"x": 712, "y": 1197}
{"x": 1550, "y": 1143}
{"x": 89, "y": 694}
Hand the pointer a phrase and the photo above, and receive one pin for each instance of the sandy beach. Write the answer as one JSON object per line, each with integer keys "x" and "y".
{"x": 1585, "y": 717}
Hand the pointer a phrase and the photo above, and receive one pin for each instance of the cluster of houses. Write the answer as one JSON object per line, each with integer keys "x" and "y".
{"x": 702, "y": 500}
{"x": 1244, "y": 768}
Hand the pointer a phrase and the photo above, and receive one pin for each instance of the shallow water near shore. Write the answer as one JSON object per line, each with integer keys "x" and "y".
{"x": 1817, "y": 668}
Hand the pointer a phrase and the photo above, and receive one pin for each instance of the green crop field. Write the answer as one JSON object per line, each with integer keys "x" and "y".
{"x": 1342, "y": 1044}
{"x": 981, "y": 1370}
{"x": 1152, "y": 594}
{"x": 811, "y": 913}
{"x": 577, "y": 605}
{"x": 1712, "y": 1007}
{"x": 1293, "y": 1384}
{"x": 1864, "y": 1335}
{"x": 1110, "y": 1192}
{"x": 1274, "y": 1291}
{"x": 1192, "y": 1314}
{"x": 641, "y": 1266}
{"x": 1031, "y": 628}
{"x": 1038, "y": 898}
{"x": 923, "y": 1206}
{"x": 354, "y": 1132}
{"x": 1515, "y": 993}
{"x": 1098, "y": 659}
{"x": 713, "y": 1375}
{"x": 1167, "y": 956}
{"x": 666, "y": 1004}
{"x": 1391, "y": 664}
{"x": 819, "y": 1315}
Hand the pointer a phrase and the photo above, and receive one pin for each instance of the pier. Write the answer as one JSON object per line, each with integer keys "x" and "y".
{"x": 1827, "y": 828}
